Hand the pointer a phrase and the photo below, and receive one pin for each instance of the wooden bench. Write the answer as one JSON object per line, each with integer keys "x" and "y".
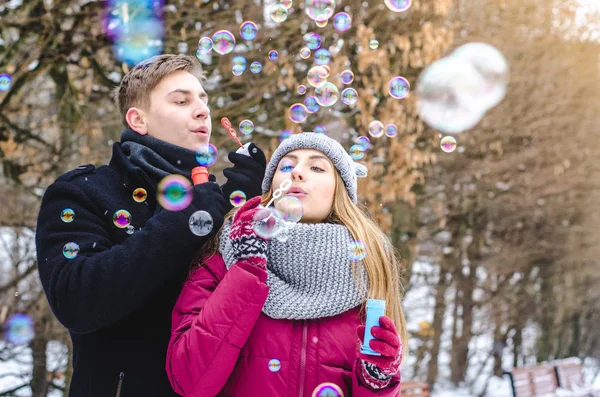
{"x": 414, "y": 389}
{"x": 538, "y": 381}
{"x": 569, "y": 373}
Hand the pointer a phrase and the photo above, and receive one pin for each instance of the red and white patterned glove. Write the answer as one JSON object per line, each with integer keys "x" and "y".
{"x": 376, "y": 372}
{"x": 247, "y": 245}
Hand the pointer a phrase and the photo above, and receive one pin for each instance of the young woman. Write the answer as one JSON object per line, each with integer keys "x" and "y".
{"x": 284, "y": 318}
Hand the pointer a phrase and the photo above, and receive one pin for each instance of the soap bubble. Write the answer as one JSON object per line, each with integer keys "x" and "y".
{"x": 357, "y": 152}
{"x": 319, "y": 10}
{"x": 286, "y": 165}
{"x": 237, "y": 70}
{"x": 327, "y": 94}
{"x": 246, "y": 127}
{"x": 273, "y": 55}
{"x": 19, "y": 329}
{"x": 237, "y": 198}
{"x": 349, "y": 96}
{"x": 398, "y": 87}
{"x": 374, "y": 44}
{"x": 364, "y": 142}
{"x": 206, "y": 155}
{"x": 491, "y": 65}
{"x": 311, "y": 104}
{"x": 298, "y": 113}
{"x": 67, "y": 215}
{"x": 274, "y": 365}
{"x": 248, "y": 30}
{"x": 201, "y": 223}
{"x": 398, "y": 5}
{"x": 448, "y": 95}
{"x": 321, "y": 24}
{"x": 205, "y": 45}
{"x": 279, "y": 13}
{"x": 255, "y": 67}
{"x": 327, "y": 70}
{"x": 376, "y": 128}
{"x": 304, "y": 52}
{"x": 71, "y": 250}
{"x": 239, "y": 60}
{"x": 346, "y": 77}
{"x": 5, "y": 82}
{"x": 268, "y": 223}
{"x": 322, "y": 56}
{"x": 391, "y": 130}
{"x": 312, "y": 40}
{"x": 174, "y": 192}
{"x": 122, "y": 219}
{"x": 320, "y": 129}
{"x": 448, "y": 144}
{"x": 285, "y": 134}
{"x": 327, "y": 389}
{"x": 316, "y": 76}
{"x": 290, "y": 208}
{"x": 342, "y": 21}
{"x": 223, "y": 42}
{"x": 140, "y": 195}
{"x": 286, "y": 3}
{"x": 301, "y": 90}
{"x": 357, "y": 250}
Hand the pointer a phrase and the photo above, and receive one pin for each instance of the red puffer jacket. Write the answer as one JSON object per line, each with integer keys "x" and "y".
{"x": 223, "y": 345}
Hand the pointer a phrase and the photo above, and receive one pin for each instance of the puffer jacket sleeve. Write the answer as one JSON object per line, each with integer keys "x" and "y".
{"x": 360, "y": 390}
{"x": 211, "y": 322}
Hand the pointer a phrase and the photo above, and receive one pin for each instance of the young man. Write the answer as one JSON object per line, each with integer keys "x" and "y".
{"x": 112, "y": 277}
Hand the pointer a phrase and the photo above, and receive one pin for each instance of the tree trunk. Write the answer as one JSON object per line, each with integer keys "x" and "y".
{"x": 438, "y": 319}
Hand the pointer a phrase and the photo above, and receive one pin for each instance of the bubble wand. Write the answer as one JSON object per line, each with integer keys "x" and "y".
{"x": 227, "y": 125}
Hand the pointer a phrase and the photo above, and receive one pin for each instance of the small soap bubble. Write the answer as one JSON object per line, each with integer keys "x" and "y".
{"x": 357, "y": 152}
{"x": 205, "y": 45}
{"x": 321, "y": 24}
{"x": 201, "y": 223}
{"x": 448, "y": 144}
{"x": 328, "y": 390}
{"x": 206, "y": 155}
{"x": 374, "y": 44}
{"x": 286, "y": 3}
{"x": 311, "y": 104}
{"x": 237, "y": 70}
{"x": 237, "y": 198}
{"x": 357, "y": 250}
{"x": 398, "y": 87}
{"x": 130, "y": 229}
{"x": 274, "y": 365}
{"x": 267, "y": 223}
{"x": 322, "y": 56}
{"x": 346, "y": 77}
{"x": 223, "y": 42}
{"x": 316, "y": 76}
{"x": 67, "y": 215}
{"x": 285, "y": 134}
{"x": 71, "y": 250}
{"x": 305, "y": 52}
{"x": 19, "y": 329}
{"x": 301, "y": 89}
{"x": 140, "y": 195}
{"x": 290, "y": 208}
{"x": 327, "y": 70}
{"x": 248, "y": 30}
{"x": 298, "y": 113}
{"x": 255, "y": 67}
{"x": 122, "y": 218}
{"x": 239, "y": 60}
{"x": 279, "y": 13}
{"x": 342, "y": 21}
{"x": 319, "y": 10}
{"x": 391, "y": 130}
{"x": 286, "y": 165}
{"x": 398, "y": 5}
{"x": 364, "y": 142}
{"x": 246, "y": 127}
{"x": 5, "y": 82}
{"x": 320, "y": 129}
{"x": 327, "y": 94}
{"x": 376, "y": 128}
{"x": 312, "y": 40}
{"x": 349, "y": 96}
{"x": 174, "y": 192}
{"x": 273, "y": 55}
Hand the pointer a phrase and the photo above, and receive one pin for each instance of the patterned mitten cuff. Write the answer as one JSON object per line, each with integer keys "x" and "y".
{"x": 372, "y": 376}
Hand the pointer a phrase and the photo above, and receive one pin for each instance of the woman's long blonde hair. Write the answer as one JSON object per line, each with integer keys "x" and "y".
{"x": 382, "y": 262}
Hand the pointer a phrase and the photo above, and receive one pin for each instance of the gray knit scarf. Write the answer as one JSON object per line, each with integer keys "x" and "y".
{"x": 156, "y": 157}
{"x": 309, "y": 274}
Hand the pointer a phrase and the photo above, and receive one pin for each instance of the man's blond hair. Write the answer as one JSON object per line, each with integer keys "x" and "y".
{"x": 138, "y": 83}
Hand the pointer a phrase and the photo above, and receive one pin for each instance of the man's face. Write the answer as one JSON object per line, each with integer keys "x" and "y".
{"x": 179, "y": 112}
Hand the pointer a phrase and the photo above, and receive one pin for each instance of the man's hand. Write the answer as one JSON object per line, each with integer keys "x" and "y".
{"x": 246, "y": 174}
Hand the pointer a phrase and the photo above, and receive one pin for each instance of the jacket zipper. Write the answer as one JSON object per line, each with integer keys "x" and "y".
{"x": 303, "y": 359}
{"x": 119, "y": 384}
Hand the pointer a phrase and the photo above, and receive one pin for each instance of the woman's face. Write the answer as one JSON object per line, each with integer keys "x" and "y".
{"x": 313, "y": 182}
